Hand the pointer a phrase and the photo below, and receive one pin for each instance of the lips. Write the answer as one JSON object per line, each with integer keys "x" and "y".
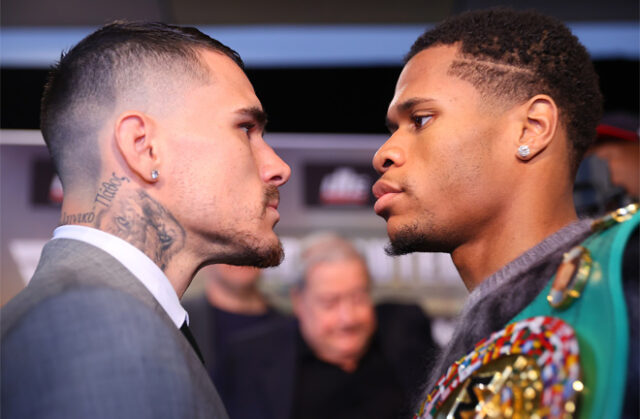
{"x": 272, "y": 197}
{"x": 384, "y": 192}
{"x": 273, "y": 205}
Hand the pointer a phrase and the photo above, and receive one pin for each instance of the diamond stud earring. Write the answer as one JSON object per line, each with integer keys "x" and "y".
{"x": 154, "y": 175}
{"x": 524, "y": 151}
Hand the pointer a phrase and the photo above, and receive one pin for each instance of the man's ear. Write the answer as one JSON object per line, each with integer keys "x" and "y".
{"x": 134, "y": 134}
{"x": 539, "y": 123}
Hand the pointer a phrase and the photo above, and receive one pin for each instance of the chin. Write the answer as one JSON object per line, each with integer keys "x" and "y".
{"x": 403, "y": 239}
{"x": 422, "y": 238}
{"x": 417, "y": 237}
{"x": 248, "y": 250}
{"x": 354, "y": 346}
{"x": 272, "y": 253}
{"x": 349, "y": 352}
{"x": 263, "y": 257}
{"x": 269, "y": 258}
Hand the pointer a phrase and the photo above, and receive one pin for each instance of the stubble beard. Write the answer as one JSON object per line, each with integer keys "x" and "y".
{"x": 420, "y": 236}
{"x": 249, "y": 250}
{"x": 407, "y": 240}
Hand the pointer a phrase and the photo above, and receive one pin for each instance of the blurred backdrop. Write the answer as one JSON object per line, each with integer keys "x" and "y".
{"x": 324, "y": 71}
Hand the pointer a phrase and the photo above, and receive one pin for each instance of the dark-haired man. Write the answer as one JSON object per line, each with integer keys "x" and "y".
{"x": 232, "y": 304}
{"x": 491, "y": 116}
{"x": 156, "y": 134}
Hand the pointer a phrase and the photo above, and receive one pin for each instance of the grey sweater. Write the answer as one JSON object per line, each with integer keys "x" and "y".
{"x": 504, "y": 294}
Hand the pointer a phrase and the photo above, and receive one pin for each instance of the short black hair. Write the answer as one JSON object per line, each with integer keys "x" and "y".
{"x": 87, "y": 80}
{"x": 514, "y": 55}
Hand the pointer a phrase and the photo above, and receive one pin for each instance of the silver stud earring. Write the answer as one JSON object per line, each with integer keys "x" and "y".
{"x": 154, "y": 174}
{"x": 524, "y": 151}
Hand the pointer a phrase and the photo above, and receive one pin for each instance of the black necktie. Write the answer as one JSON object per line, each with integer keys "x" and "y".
{"x": 187, "y": 334}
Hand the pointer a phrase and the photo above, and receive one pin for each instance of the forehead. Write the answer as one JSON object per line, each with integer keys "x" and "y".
{"x": 336, "y": 277}
{"x": 426, "y": 75}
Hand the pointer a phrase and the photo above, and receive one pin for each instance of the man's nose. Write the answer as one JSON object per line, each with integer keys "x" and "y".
{"x": 347, "y": 312}
{"x": 389, "y": 154}
{"x": 273, "y": 169}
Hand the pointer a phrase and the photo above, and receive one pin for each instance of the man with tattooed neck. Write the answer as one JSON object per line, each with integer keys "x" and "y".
{"x": 156, "y": 134}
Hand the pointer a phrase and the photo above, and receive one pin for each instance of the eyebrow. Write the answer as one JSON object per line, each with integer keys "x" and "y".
{"x": 258, "y": 116}
{"x": 404, "y": 107}
{"x": 410, "y": 103}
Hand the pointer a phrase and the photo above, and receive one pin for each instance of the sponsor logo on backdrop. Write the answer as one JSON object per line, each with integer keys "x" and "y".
{"x": 345, "y": 186}
{"x": 339, "y": 185}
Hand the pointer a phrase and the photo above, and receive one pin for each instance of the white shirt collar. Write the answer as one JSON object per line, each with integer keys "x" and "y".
{"x": 139, "y": 264}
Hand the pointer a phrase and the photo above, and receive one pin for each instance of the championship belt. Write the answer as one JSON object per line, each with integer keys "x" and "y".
{"x": 564, "y": 355}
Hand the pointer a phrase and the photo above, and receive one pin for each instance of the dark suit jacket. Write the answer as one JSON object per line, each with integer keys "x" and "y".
{"x": 260, "y": 372}
{"x": 203, "y": 323}
{"x": 261, "y": 368}
{"x": 202, "y": 326}
{"x": 86, "y": 339}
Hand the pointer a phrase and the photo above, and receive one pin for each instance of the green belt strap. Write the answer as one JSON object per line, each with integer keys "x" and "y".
{"x": 599, "y": 319}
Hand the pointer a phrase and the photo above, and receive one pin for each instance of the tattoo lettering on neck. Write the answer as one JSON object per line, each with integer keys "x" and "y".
{"x": 105, "y": 196}
{"x": 80, "y": 218}
{"x": 108, "y": 190}
{"x": 146, "y": 224}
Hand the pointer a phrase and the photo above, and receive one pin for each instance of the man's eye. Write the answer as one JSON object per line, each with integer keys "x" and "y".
{"x": 421, "y": 120}
{"x": 361, "y": 297}
{"x": 247, "y": 127}
{"x": 328, "y": 303}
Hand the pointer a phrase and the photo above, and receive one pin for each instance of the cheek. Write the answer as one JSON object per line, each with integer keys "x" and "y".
{"x": 452, "y": 169}
{"x": 247, "y": 159}
{"x": 317, "y": 322}
{"x": 324, "y": 323}
{"x": 328, "y": 322}
{"x": 200, "y": 171}
{"x": 367, "y": 319}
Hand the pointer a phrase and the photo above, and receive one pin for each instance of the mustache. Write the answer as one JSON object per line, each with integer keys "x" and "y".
{"x": 271, "y": 194}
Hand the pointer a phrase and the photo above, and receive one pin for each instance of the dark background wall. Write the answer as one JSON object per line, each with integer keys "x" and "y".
{"x": 82, "y": 12}
{"x": 344, "y": 98}
{"x": 340, "y": 100}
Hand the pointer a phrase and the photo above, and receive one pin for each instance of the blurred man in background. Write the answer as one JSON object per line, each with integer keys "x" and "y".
{"x": 609, "y": 175}
{"x": 334, "y": 362}
{"x": 232, "y": 303}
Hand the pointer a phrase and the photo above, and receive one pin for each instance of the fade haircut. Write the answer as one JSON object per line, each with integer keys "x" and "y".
{"x": 120, "y": 63}
{"x": 513, "y": 55}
